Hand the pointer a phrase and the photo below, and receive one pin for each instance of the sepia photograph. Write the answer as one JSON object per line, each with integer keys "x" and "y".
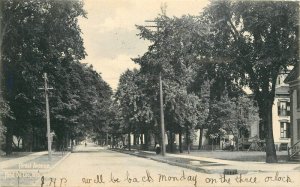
{"x": 153, "y": 93}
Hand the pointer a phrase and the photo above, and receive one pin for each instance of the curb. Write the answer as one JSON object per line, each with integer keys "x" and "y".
{"x": 50, "y": 169}
{"x": 195, "y": 168}
{"x": 22, "y": 159}
{"x": 57, "y": 163}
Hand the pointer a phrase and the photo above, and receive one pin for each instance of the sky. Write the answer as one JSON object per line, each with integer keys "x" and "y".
{"x": 110, "y": 36}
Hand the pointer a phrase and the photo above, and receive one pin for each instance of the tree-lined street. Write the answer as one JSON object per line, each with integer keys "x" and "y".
{"x": 97, "y": 166}
{"x": 204, "y": 82}
{"x": 84, "y": 166}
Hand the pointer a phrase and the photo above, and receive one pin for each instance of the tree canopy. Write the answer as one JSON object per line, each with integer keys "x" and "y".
{"x": 257, "y": 40}
{"x": 44, "y": 37}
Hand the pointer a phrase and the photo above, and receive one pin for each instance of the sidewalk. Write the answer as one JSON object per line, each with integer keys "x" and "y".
{"x": 27, "y": 169}
{"x": 38, "y": 158}
{"x": 213, "y": 165}
{"x": 23, "y": 159}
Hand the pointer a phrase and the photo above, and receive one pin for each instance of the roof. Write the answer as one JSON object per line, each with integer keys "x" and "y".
{"x": 294, "y": 74}
{"x": 282, "y": 90}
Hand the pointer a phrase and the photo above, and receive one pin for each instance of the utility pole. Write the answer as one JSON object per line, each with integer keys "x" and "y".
{"x": 163, "y": 147}
{"x": 162, "y": 121}
{"x": 106, "y": 140}
{"x": 46, "y": 88}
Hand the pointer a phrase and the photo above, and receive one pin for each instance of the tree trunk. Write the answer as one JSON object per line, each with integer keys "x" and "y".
{"x": 67, "y": 140}
{"x": 200, "y": 138}
{"x": 19, "y": 139}
{"x": 129, "y": 139}
{"x": 188, "y": 142}
{"x": 72, "y": 144}
{"x": 129, "y": 142}
{"x": 271, "y": 156}
{"x": 123, "y": 140}
{"x": 113, "y": 140}
{"x": 134, "y": 139}
{"x": 171, "y": 142}
{"x": 106, "y": 140}
{"x": 9, "y": 140}
{"x": 180, "y": 142}
{"x": 265, "y": 113}
{"x": 32, "y": 138}
{"x": 27, "y": 138}
{"x": 146, "y": 135}
{"x": 141, "y": 138}
{"x": 237, "y": 140}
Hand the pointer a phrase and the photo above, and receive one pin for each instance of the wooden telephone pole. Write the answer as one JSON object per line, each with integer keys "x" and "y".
{"x": 162, "y": 121}
{"x": 163, "y": 151}
{"x": 46, "y": 89}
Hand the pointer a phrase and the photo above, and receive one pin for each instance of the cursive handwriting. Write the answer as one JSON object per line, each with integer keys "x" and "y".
{"x": 193, "y": 180}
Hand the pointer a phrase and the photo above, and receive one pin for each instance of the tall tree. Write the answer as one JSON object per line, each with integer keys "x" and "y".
{"x": 41, "y": 36}
{"x": 173, "y": 54}
{"x": 4, "y": 106}
{"x": 257, "y": 40}
{"x": 181, "y": 52}
{"x": 136, "y": 110}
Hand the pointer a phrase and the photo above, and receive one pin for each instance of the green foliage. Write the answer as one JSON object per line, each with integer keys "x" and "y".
{"x": 44, "y": 36}
{"x": 177, "y": 50}
{"x": 257, "y": 40}
{"x": 260, "y": 39}
{"x": 231, "y": 116}
{"x": 135, "y": 105}
{"x": 4, "y": 113}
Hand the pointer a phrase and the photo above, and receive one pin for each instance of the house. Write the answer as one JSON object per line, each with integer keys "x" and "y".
{"x": 281, "y": 112}
{"x": 293, "y": 80}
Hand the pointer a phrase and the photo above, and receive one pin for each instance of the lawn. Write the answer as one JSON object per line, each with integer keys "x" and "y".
{"x": 14, "y": 155}
{"x": 255, "y": 156}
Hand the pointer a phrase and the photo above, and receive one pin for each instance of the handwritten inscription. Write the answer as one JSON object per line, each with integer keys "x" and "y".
{"x": 194, "y": 180}
{"x": 53, "y": 182}
{"x": 277, "y": 178}
{"x": 183, "y": 177}
{"x": 244, "y": 179}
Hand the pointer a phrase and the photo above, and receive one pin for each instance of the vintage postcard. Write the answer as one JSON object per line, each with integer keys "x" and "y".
{"x": 158, "y": 93}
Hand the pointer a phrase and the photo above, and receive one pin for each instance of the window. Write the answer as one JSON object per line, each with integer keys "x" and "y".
{"x": 298, "y": 98}
{"x": 298, "y": 128}
{"x": 284, "y": 108}
{"x": 284, "y": 130}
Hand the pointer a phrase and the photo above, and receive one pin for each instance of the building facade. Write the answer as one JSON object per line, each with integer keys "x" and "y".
{"x": 281, "y": 112}
{"x": 294, "y": 85}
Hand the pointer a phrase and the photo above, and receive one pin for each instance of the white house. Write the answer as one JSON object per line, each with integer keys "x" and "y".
{"x": 294, "y": 85}
{"x": 281, "y": 117}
